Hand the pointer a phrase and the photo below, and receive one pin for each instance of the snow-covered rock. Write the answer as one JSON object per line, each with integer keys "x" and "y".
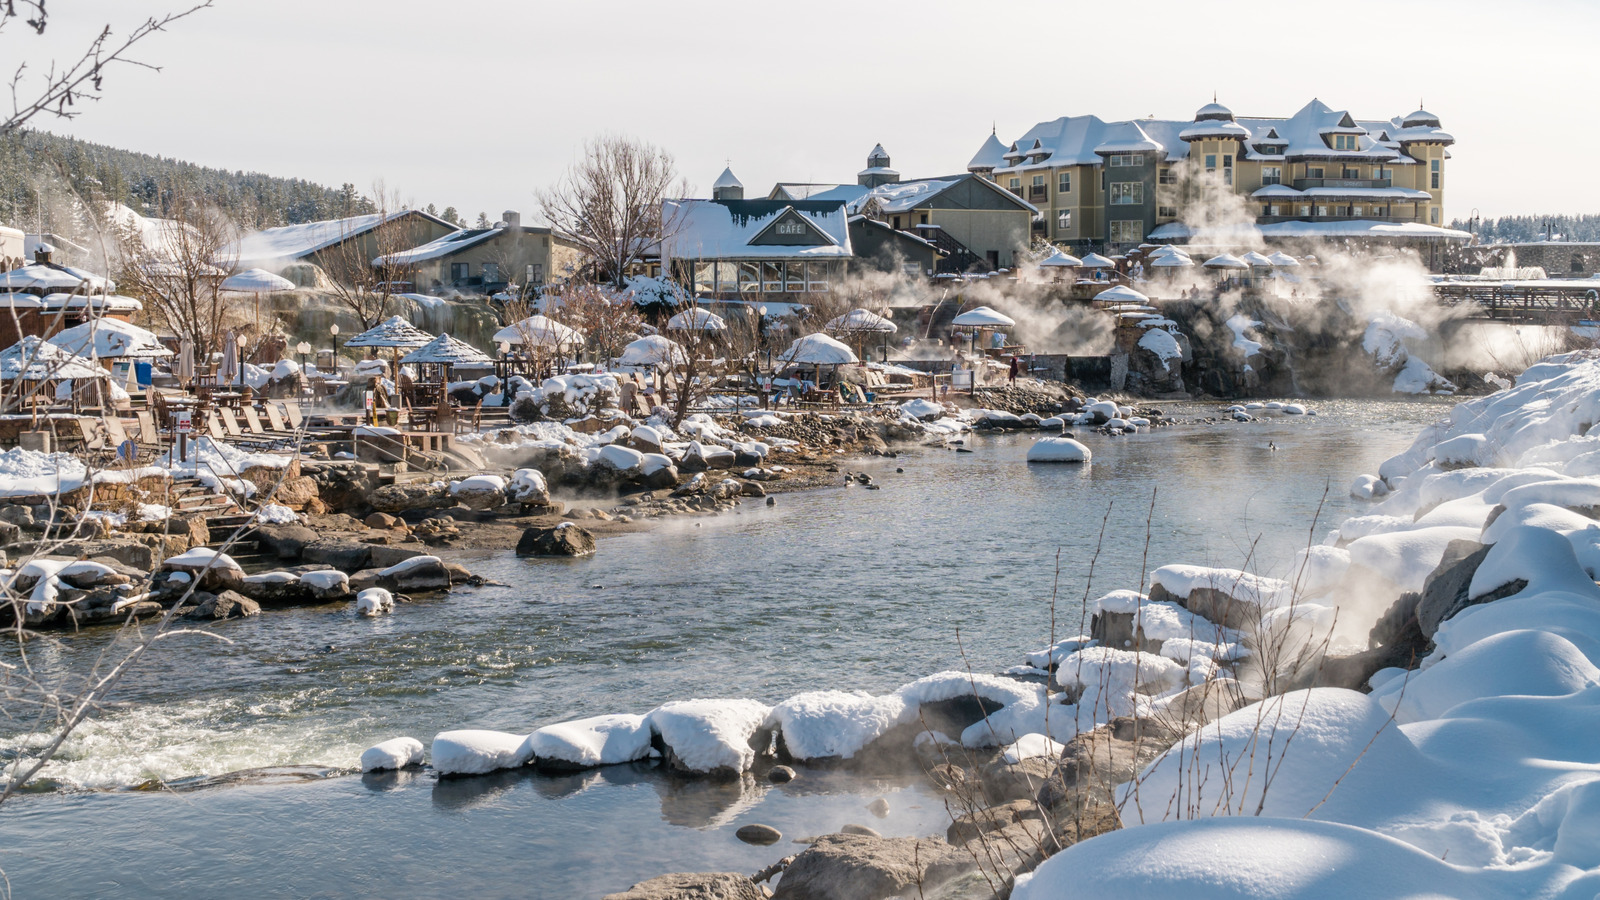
{"x": 1058, "y": 450}
{"x": 397, "y": 753}
{"x": 596, "y": 741}
{"x": 374, "y": 602}
{"x": 476, "y": 752}
{"x": 709, "y": 736}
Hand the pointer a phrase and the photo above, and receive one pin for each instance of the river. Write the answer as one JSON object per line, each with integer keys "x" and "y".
{"x": 953, "y": 561}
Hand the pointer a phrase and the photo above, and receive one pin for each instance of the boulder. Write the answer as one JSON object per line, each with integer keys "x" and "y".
{"x": 1444, "y": 593}
{"x": 343, "y": 486}
{"x": 326, "y": 584}
{"x": 529, "y": 488}
{"x": 381, "y": 521}
{"x": 992, "y": 818}
{"x": 760, "y": 835}
{"x": 10, "y": 533}
{"x": 752, "y": 489}
{"x": 347, "y": 556}
{"x": 226, "y": 605}
{"x": 276, "y": 589}
{"x": 284, "y": 541}
{"x": 384, "y": 556}
{"x": 295, "y": 491}
{"x": 18, "y": 515}
{"x": 857, "y": 867}
{"x": 417, "y": 575}
{"x": 480, "y": 492}
{"x": 565, "y": 539}
{"x": 399, "y": 498}
{"x": 701, "y": 886}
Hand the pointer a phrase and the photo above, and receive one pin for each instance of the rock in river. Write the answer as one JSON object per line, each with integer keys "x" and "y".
{"x": 565, "y": 539}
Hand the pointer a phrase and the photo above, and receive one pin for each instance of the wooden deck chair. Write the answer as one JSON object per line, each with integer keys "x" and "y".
{"x": 252, "y": 421}
{"x": 260, "y": 436}
{"x": 214, "y": 427}
{"x": 291, "y": 412}
{"x": 275, "y": 419}
{"x": 148, "y": 432}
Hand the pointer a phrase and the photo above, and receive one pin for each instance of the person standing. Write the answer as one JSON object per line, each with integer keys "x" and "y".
{"x": 1014, "y": 368}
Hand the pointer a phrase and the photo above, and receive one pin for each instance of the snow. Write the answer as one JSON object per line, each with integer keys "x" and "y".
{"x": 476, "y": 752}
{"x": 391, "y": 332}
{"x": 1183, "y": 580}
{"x": 107, "y": 338}
{"x": 623, "y": 459}
{"x": 922, "y": 409}
{"x": 200, "y": 558}
{"x": 409, "y": 563}
{"x": 396, "y": 753}
{"x": 816, "y": 349}
{"x": 983, "y": 317}
{"x": 274, "y": 514}
{"x": 1161, "y": 342}
{"x": 327, "y": 582}
{"x": 528, "y": 485}
{"x": 1030, "y": 746}
{"x": 374, "y": 602}
{"x": 708, "y": 229}
{"x": 1058, "y": 449}
{"x": 595, "y": 741}
{"x": 1239, "y": 324}
{"x": 708, "y": 735}
{"x": 478, "y": 484}
{"x": 1253, "y": 858}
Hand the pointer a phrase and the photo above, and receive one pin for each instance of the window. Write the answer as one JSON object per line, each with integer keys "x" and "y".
{"x": 1227, "y": 168}
{"x": 1166, "y": 176}
{"x": 1127, "y": 231}
{"x": 1211, "y": 162}
{"x": 1433, "y": 167}
{"x": 1272, "y": 209}
{"x": 1346, "y": 142}
{"x": 460, "y": 271}
{"x": 749, "y": 277}
{"x": 491, "y": 273}
{"x": 1064, "y": 220}
{"x": 911, "y": 269}
{"x": 1303, "y": 210}
{"x": 1271, "y": 175}
{"x": 794, "y": 277}
{"x": 1127, "y": 159}
{"x": 1433, "y": 214}
{"x": 1382, "y": 174}
{"x": 922, "y": 218}
{"x": 1167, "y": 212}
{"x": 791, "y": 227}
{"x": 727, "y": 277}
{"x": 1313, "y": 171}
{"x": 1352, "y": 172}
{"x": 1127, "y": 193}
{"x": 1015, "y": 185}
{"x": 1036, "y": 190}
{"x": 536, "y": 273}
{"x": 772, "y": 277}
{"x": 1322, "y": 210}
{"x": 818, "y": 276}
{"x": 705, "y": 276}
{"x": 1064, "y": 183}
{"x": 1355, "y": 210}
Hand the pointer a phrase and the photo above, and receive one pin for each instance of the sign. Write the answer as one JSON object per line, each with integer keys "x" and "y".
{"x": 185, "y": 422}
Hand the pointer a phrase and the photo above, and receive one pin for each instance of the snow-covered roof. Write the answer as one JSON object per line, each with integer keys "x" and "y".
{"x": 35, "y": 359}
{"x": 291, "y": 242}
{"x": 1283, "y": 260}
{"x": 391, "y": 332}
{"x": 904, "y": 196}
{"x": 106, "y": 338}
{"x": 1276, "y": 192}
{"x": 653, "y": 350}
{"x": 1256, "y": 260}
{"x": 1226, "y": 261}
{"x": 102, "y": 302}
{"x": 1121, "y": 294}
{"x": 990, "y": 155}
{"x": 727, "y": 180}
{"x": 1420, "y": 118}
{"x": 446, "y": 350}
{"x": 1058, "y": 259}
{"x": 45, "y": 276}
{"x": 794, "y": 190}
{"x": 450, "y": 244}
{"x": 729, "y": 229}
{"x": 696, "y": 319}
{"x": 1096, "y": 261}
{"x": 1081, "y": 140}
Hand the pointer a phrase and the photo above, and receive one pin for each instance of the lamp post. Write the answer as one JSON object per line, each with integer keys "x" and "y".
{"x": 303, "y": 349}
{"x": 761, "y": 333}
{"x": 334, "y": 330}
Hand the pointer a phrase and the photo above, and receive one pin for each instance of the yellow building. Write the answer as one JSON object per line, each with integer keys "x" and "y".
{"x": 1320, "y": 173}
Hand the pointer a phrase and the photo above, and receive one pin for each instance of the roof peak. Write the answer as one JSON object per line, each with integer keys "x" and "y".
{"x": 727, "y": 179}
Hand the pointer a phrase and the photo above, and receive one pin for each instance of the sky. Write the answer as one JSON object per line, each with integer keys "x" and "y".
{"x": 478, "y": 103}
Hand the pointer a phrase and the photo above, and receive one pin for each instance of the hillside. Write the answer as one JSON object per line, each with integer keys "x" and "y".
{"x": 1509, "y": 229}
{"x": 36, "y": 168}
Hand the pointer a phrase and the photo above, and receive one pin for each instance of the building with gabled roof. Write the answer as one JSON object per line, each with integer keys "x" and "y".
{"x": 320, "y": 243}
{"x": 750, "y": 248}
{"x": 1320, "y": 172}
{"x": 487, "y": 260}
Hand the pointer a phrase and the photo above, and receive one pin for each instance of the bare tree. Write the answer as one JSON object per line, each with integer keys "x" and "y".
{"x": 607, "y": 321}
{"x": 362, "y": 267}
{"x": 610, "y": 202}
{"x": 176, "y": 269}
{"x": 62, "y": 88}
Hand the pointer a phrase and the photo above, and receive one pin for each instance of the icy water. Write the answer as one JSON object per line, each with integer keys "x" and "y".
{"x": 952, "y": 562}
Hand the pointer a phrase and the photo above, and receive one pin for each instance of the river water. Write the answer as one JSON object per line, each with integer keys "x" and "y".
{"x": 953, "y": 561}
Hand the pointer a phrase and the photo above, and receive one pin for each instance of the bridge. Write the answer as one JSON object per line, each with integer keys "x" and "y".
{"x": 1540, "y": 303}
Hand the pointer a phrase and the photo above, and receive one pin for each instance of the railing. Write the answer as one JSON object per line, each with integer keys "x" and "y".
{"x": 1038, "y": 192}
{"x": 1273, "y": 220}
{"x": 1301, "y": 184}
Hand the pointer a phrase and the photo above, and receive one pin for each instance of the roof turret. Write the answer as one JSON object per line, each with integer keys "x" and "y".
{"x": 1213, "y": 112}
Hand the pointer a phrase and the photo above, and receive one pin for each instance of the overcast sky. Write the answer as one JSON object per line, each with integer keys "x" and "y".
{"x": 476, "y": 103}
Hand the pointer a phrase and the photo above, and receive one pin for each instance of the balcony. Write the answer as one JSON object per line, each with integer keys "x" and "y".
{"x": 1038, "y": 193}
{"x": 1274, "y": 220}
{"x": 1301, "y": 184}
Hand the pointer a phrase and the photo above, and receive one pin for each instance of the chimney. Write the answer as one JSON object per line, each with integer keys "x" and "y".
{"x": 41, "y": 253}
{"x": 512, "y": 218}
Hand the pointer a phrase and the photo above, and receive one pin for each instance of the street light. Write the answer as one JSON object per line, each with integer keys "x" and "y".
{"x": 303, "y": 349}
{"x": 334, "y": 330}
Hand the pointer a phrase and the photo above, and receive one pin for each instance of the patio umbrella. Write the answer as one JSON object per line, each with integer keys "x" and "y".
{"x": 445, "y": 350}
{"x": 696, "y": 319}
{"x": 1258, "y": 261}
{"x": 183, "y": 368}
{"x": 230, "y": 359}
{"x": 1122, "y": 294}
{"x": 393, "y": 332}
{"x": 818, "y": 350}
{"x": 654, "y": 350}
{"x": 1060, "y": 260}
{"x": 257, "y": 282}
{"x": 1096, "y": 261}
{"x": 538, "y": 331}
{"x": 1226, "y": 261}
{"x": 1171, "y": 261}
{"x": 860, "y": 321}
{"x": 1283, "y": 260}
{"x": 984, "y": 317}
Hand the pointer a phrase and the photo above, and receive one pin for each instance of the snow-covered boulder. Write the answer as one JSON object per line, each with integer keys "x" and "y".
{"x": 921, "y": 409}
{"x": 326, "y": 584}
{"x": 476, "y": 752}
{"x": 529, "y": 488}
{"x": 595, "y": 741}
{"x": 374, "y": 602}
{"x": 396, "y": 753}
{"x": 1058, "y": 450}
{"x": 711, "y": 736}
{"x": 480, "y": 491}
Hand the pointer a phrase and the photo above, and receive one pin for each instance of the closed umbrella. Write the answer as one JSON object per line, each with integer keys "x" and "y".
{"x": 183, "y": 369}
{"x": 230, "y": 359}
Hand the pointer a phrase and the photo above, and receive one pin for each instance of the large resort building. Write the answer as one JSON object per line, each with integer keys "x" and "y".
{"x": 1319, "y": 174}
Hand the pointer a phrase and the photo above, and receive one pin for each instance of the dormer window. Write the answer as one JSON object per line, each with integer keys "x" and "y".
{"x": 1346, "y": 142}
